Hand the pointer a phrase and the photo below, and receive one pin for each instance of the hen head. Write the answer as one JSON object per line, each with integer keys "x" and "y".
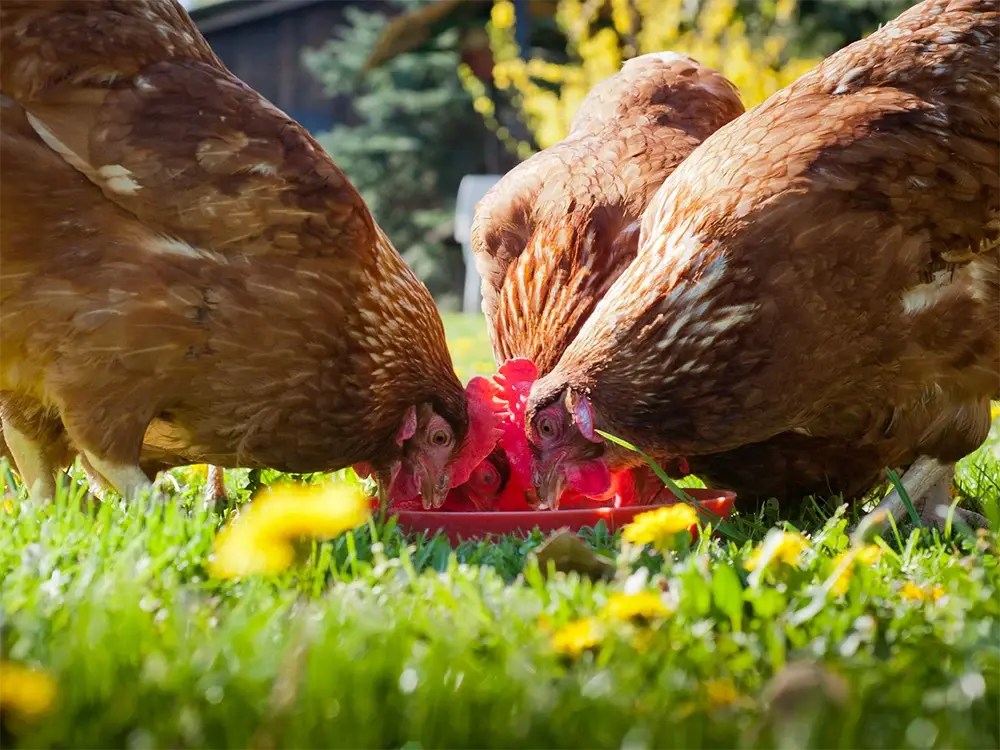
{"x": 432, "y": 460}
{"x": 564, "y": 447}
{"x": 568, "y": 457}
{"x": 493, "y": 486}
{"x": 586, "y": 474}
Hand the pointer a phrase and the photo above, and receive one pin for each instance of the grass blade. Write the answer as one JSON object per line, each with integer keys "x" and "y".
{"x": 905, "y": 497}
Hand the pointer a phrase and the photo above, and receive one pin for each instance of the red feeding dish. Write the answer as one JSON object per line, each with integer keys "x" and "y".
{"x": 492, "y": 497}
{"x": 459, "y": 526}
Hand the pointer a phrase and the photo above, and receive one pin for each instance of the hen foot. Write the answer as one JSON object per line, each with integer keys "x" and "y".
{"x": 36, "y": 470}
{"x": 95, "y": 482}
{"x": 928, "y": 484}
{"x": 128, "y": 481}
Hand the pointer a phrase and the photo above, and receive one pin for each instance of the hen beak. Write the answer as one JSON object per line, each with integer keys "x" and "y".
{"x": 433, "y": 492}
{"x": 549, "y": 488}
{"x": 531, "y": 497}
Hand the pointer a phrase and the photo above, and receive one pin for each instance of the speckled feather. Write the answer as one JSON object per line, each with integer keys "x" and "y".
{"x": 177, "y": 249}
{"x": 557, "y": 230}
{"x": 821, "y": 272}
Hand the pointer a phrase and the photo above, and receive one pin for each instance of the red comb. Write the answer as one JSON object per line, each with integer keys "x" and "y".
{"x": 514, "y": 379}
{"x": 486, "y": 416}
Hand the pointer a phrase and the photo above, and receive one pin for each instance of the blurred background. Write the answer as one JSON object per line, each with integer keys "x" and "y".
{"x": 412, "y": 96}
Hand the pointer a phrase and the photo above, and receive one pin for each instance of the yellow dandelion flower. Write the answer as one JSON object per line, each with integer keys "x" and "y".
{"x": 914, "y": 593}
{"x": 578, "y": 636}
{"x": 686, "y": 709}
{"x": 660, "y": 526}
{"x": 867, "y": 555}
{"x": 785, "y": 548}
{"x": 645, "y": 605}
{"x": 8, "y": 506}
{"x": 502, "y": 14}
{"x": 260, "y": 540}
{"x": 26, "y": 691}
{"x": 720, "y": 693}
{"x": 994, "y": 411}
{"x": 243, "y": 550}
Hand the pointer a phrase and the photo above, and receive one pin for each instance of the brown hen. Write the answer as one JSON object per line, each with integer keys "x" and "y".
{"x": 183, "y": 266}
{"x": 817, "y": 282}
{"x": 553, "y": 235}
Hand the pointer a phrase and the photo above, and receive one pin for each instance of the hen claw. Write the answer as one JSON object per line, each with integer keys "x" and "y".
{"x": 937, "y": 515}
{"x": 928, "y": 484}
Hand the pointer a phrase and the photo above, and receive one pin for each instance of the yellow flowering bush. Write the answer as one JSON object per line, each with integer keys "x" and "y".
{"x": 261, "y": 539}
{"x": 547, "y": 95}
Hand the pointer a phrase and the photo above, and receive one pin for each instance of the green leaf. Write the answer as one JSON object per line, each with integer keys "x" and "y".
{"x": 569, "y": 553}
{"x": 767, "y": 603}
{"x": 727, "y": 593}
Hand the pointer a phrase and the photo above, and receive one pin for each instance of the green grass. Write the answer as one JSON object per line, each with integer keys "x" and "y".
{"x": 470, "y": 345}
{"x": 376, "y": 640}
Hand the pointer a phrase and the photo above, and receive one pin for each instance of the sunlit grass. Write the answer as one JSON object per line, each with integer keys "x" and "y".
{"x": 375, "y": 640}
{"x": 469, "y": 345}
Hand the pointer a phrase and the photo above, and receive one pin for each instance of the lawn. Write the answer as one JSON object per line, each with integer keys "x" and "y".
{"x": 377, "y": 640}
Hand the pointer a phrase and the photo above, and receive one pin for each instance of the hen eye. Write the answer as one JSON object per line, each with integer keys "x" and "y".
{"x": 489, "y": 477}
{"x": 440, "y": 437}
{"x": 547, "y": 426}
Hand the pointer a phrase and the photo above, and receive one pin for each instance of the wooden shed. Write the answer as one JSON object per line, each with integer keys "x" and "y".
{"x": 261, "y": 41}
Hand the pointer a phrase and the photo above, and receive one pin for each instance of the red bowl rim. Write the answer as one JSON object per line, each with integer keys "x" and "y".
{"x": 699, "y": 494}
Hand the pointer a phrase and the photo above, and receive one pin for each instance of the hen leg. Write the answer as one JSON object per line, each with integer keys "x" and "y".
{"x": 215, "y": 487}
{"x": 33, "y": 464}
{"x": 107, "y": 429}
{"x": 928, "y": 483}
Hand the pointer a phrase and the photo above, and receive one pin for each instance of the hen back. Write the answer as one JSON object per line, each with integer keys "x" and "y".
{"x": 558, "y": 229}
{"x": 816, "y": 286}
{"x": 178, "y": 254}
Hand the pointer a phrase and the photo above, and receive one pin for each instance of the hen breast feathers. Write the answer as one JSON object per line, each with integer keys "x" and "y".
{"x": 176, "y": 249}
{"x": 821, "y": 275}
